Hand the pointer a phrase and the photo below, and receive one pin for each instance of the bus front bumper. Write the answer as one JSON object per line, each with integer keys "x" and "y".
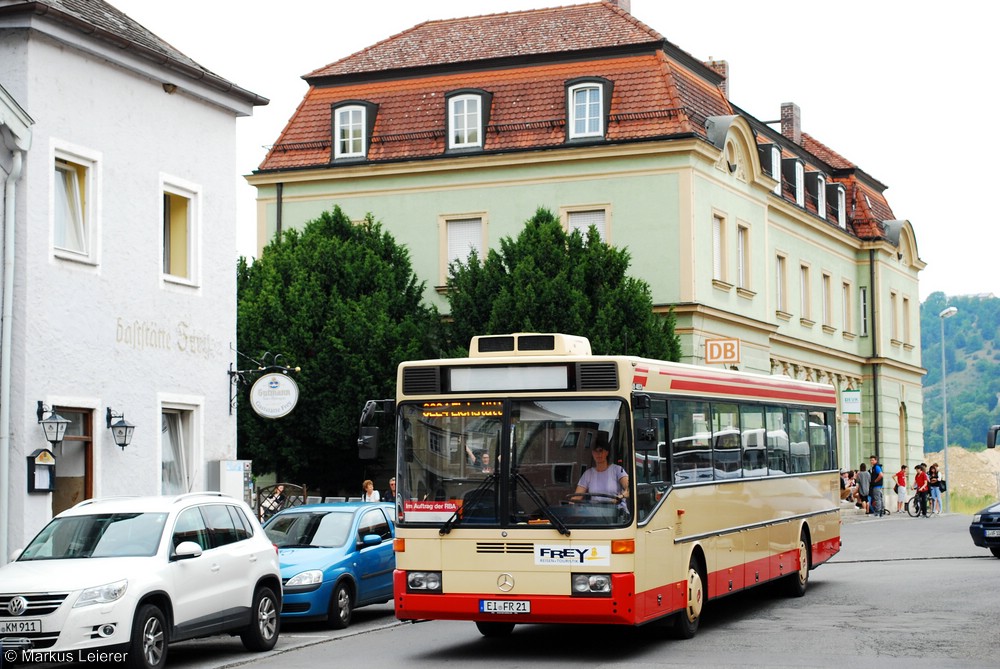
{"x": 616, "y": 609}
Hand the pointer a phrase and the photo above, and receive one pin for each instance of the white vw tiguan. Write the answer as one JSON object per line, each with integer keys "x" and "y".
{"x": 117, "y": 579}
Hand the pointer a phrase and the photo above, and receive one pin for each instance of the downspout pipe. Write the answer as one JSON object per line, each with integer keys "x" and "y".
{"x": 6, "y": 337}
{"x": 876, "y": 400}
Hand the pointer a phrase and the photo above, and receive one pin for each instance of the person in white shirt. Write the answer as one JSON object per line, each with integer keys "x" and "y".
{"x": 604, "y": 482}
{"x": 370, "y": 493}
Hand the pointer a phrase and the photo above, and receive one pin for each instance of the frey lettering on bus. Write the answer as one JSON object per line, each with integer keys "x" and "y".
{"x": 570, "y": 555}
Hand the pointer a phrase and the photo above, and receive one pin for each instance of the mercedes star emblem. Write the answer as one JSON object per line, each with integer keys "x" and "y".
{"x": 505, "y": 582}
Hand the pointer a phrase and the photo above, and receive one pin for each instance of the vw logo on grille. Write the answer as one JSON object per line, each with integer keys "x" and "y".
{"x": 505, "y": 582}
{"x": 17, "y": 605}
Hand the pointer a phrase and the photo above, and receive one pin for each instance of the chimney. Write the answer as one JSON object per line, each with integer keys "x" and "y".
{"x": 624, "y": 5}
{"x": 791, "y": 121}
{"x": 721, "y": 67}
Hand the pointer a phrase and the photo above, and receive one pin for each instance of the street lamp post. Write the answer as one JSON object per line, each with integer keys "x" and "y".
{"x": 947, "y": 313}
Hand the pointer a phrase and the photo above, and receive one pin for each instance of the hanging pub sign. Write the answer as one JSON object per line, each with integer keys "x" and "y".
{"x": 274, "y": 395}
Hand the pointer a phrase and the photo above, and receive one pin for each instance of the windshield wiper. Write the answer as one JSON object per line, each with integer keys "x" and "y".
{"x": 542, "y": 504}
{"x": 472, "y": 499}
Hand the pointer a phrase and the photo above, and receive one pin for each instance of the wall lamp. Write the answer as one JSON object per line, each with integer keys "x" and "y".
{"x": 54, "y": 426}
{"x": 121, "y": 430}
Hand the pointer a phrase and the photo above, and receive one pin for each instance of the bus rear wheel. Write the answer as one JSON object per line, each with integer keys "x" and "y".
{"x": 798, "y": 582}
{"x": 493, "y": 630}
{"x": 686, "y": 621}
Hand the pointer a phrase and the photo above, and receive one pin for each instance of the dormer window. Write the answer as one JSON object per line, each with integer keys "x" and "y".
{"x": 468, "y": 115}
{"x": 816, "y": 187}
{"x": 353, "y": 122}
{"x": 588, "y": 102}
{"x": 837, "y": 197}
{"x": 770, "y": 161}
{"x": 794, "y": 173}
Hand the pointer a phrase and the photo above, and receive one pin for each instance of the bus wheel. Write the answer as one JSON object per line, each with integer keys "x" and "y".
{"x": 686, "y": 621}
{"x": 799, "y": 581}
{"x": 493, "y": 630}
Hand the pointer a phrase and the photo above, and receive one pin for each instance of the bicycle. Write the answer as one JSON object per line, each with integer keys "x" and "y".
{"x": 913, "y": 508}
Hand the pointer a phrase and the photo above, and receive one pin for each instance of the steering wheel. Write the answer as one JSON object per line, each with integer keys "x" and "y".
{"x": 590, "y": 496}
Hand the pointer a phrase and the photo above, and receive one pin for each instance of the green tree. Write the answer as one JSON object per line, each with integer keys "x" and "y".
{"x": 340, "y": 301}
{"x": 549, "y": 281}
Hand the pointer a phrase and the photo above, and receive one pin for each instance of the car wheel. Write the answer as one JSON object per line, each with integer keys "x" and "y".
{"x": 341, "y": 607}
{"x": 686, "y": 621}
{"x": 996, "y": 551}
{"x": 493, "y": 630}
{"x": 262, "y": 632}
{"x": 147, "y": 648}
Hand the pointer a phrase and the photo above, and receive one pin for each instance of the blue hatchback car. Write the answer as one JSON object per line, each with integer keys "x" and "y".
{"x": 334, "y": 558}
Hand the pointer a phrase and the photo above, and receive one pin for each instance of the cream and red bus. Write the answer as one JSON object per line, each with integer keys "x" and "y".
{"x": 731, "y": 481}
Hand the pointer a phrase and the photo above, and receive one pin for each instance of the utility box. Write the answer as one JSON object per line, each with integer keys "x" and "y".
{"x": 233, "y": 478}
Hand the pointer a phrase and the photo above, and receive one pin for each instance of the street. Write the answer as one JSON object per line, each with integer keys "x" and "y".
{"x": 902, "y": 591}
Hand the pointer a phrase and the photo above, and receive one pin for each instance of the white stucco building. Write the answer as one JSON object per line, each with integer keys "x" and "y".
{"x": 119, "y": 246}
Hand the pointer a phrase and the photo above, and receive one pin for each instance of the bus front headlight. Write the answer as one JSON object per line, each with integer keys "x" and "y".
{"x": 423, "y": 581}
{"x": 591, "y": 584}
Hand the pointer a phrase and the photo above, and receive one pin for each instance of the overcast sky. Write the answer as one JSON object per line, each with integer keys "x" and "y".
{"x": 903, "y": 89}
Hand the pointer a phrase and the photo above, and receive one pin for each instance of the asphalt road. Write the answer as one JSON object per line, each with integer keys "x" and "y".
{"x": 902, "y": 592}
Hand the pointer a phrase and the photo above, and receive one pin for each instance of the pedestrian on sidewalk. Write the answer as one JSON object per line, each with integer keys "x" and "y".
{"x": 900, "y": 478}
{"x": 864, "y": 486}
{"x": 878, "y": 482}
{"x": 922, "y": 485}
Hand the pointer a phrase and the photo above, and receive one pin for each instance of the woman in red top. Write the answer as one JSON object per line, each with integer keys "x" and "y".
{"x": 923, "y": 487}
{"x": 900, "y": 477}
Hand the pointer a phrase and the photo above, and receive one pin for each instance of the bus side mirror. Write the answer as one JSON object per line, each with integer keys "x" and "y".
{"x": 368, "y": 443}
{"x": 645, "y": 434}
{"x": 991, "y": 436}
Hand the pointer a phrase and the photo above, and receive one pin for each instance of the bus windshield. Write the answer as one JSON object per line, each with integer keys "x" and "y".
{"x": 514, "y": 462}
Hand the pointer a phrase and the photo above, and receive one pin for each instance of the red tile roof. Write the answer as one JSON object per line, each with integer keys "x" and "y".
{"x": 598, "y": 25}
{"x": 652, "y": 97}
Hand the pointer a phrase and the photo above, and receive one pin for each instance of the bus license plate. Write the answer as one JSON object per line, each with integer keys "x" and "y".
{"x": 20, "y": 626}
{"x": 504, "y": 606}
{"x": 993, "y": 533}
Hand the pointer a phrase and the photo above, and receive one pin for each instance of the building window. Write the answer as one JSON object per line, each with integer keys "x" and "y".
{"x": 588, "y": 105}
{"x": 74, "y": 204}
{"x": 776, "y": 167}
{"x": 837, "y": 199}
{"x": 780, "y": 290}
{"x": 349, "y": 132}
{"x": 582, "y": 220}
{"x": 800, "y": 184}
{"x": 180, "y": 230}
{"x": 804, "y": 302}
{"x": 863, "y": 309}
{"x": 893, "y": 317}
{"x": 467, "y": 118}
{"x": 827, "y": 299}
{"x": 177, "y": 452}
{"x": 906, "y": 320}
{"x": 845, "y": 317}
{"x": 585, "y": 112}
{"x": 742, "y": 256}
{"x": 718, "y": 248}
{"x": 461, "y": 236}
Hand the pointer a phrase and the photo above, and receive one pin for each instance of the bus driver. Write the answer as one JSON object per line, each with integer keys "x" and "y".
{"x": 604, "y": 482}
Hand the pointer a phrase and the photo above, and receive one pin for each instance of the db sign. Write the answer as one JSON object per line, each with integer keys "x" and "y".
{"x": 724, "y": 351}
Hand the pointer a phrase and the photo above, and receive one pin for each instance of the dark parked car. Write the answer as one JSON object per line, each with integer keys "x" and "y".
{"x": 334, "y": 558}
{"x": 985, "y": 529}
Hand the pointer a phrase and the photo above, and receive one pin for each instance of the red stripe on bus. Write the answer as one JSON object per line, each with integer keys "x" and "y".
{"x": 730, "y": 389}
{"x": 827, "y": 393}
